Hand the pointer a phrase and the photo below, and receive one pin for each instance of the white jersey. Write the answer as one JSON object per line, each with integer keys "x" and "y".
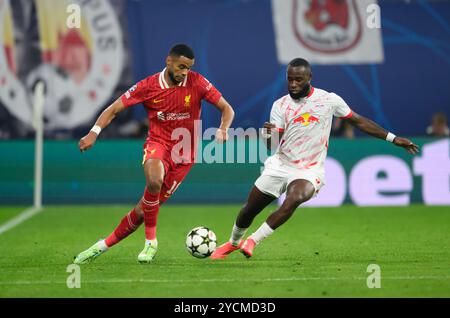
{"x": 306, "y": 124}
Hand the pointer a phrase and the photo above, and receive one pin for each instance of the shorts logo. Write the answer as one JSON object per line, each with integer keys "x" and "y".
{"x": 146, "y": 154}
{"x": 306, "y": 119}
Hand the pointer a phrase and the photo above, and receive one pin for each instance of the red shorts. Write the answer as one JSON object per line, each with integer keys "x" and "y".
{"x": 174, "y": 172}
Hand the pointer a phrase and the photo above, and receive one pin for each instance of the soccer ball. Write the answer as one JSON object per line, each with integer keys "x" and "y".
{"x": 201, "y": 242}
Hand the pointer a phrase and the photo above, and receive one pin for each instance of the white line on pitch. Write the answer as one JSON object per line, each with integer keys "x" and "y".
{"x": 177, "y": 281}
{"x": 22, "y": 217}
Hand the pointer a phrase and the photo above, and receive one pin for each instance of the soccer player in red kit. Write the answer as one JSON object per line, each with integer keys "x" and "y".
{"x": 172, "y": 99}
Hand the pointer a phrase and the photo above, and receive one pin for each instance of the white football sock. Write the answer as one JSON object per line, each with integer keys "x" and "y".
{"x": 102, "y": 246}
{"x": 260, "y": 234}
{"x": 236, "y": 235}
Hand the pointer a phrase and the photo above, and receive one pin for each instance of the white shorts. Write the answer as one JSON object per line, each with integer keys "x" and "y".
{"x": 277, "y": 176}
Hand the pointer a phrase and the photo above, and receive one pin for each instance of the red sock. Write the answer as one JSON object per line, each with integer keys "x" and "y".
{"x": 128, "y": 225}
{"x": 150, "y": 206}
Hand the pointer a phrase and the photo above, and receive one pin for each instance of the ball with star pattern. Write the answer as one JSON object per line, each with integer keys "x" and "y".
{"x": 201, "y": 242}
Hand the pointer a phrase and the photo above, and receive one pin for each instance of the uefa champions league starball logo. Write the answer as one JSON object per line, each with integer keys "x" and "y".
{"x": 79, "y": 66}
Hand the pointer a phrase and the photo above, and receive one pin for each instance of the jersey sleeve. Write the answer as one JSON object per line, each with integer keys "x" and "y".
{"x": 341, "y": 109}
{"x": 277, "y": 117}
{"x": 136, "y": 94}
{"x": 208, "y": 91}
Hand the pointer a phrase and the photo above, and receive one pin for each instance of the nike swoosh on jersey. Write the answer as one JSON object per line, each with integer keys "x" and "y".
{"x": 156, "y": 101}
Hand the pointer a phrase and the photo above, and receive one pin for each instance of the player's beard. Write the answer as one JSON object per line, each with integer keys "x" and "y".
{"x": 172, "y": 78}
{"x": 303, "y": 93}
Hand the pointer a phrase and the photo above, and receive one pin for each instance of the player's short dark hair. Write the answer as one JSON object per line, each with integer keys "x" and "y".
{"x": 182, "y": 50}
{"x": 300, "y": 62}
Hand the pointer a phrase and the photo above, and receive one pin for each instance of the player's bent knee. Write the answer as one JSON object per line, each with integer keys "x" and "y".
{"x": 302, "y": 199}
{"x": 299, "y": 197}
{"x": 293, "y": 203}
{"x": 154, "y": 186}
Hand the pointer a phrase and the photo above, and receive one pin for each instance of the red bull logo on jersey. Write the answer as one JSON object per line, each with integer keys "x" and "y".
{"x": 306, "y": 119}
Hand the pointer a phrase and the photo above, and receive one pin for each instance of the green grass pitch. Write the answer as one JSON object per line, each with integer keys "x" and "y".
{"x": 320, "y": 252}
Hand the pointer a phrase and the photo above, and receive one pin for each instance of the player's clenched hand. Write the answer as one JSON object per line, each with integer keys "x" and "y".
{"x": 407, "y": 144}
{"x": 87, "y": 141}
{"x": 269, "y": 127}
{"x": 266, "y": 131}
{"x": 221, "y": 135}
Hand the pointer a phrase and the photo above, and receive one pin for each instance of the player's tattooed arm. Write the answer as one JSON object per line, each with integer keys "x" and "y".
{"x": 103, "y": 121}
{"x": 373, "y": 129}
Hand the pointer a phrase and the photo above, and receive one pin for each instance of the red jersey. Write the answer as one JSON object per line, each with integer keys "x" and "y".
{"x": 169, "y": 108}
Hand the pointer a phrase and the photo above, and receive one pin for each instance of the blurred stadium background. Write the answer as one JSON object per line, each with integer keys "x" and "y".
{"x": 398, "y": 75}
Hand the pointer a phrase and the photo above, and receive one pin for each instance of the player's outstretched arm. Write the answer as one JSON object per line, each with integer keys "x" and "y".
{"x": 227, "y": 118}
{"x": 103, "y": 121}
{"x": 371, "y": 128}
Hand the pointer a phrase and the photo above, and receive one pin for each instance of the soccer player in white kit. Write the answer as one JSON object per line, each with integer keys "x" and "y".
{"x": 301, "y": 121}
